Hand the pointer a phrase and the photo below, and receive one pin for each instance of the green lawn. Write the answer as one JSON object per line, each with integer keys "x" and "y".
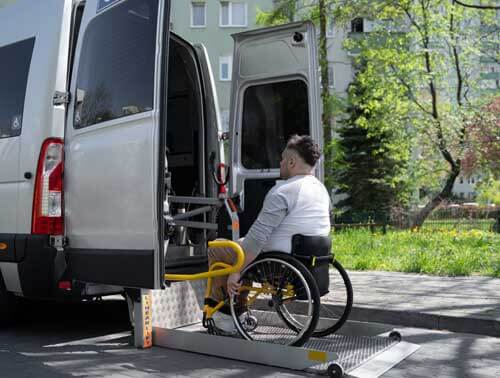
{"x": 430, "y": 251}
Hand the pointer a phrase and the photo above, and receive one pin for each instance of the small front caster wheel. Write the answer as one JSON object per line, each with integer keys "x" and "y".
{"x": 250, "y": 323}
{"x": 395, "y": 335}
{"x": 335, "y": 370}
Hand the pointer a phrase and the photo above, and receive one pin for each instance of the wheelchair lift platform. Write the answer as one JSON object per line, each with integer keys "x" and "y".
{"x": 171, "y": 318}
{"x": 360, "y": 356}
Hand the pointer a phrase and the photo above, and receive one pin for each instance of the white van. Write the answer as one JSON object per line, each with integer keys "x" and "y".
{"x": 109, "y": 129}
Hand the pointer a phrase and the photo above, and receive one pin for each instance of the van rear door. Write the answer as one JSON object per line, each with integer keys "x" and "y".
{"x": 114, "y": 163}
{"x": 275, "y": 94}
{"x": 213, "y": 133}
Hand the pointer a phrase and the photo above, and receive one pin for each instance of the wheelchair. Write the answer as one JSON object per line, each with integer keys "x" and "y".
{"x": 279, "y": 300}
{"x": 288, "y": 294}
{"x": 285, "y": 298}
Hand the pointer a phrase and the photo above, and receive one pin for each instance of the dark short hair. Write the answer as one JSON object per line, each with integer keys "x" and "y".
{"x": 306, "y": 147}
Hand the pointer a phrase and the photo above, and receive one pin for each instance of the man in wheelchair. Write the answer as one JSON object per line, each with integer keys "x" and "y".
{"x": 299, "y": 204}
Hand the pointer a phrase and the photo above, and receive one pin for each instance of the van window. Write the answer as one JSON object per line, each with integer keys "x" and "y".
{"x": 117, "y": 62}
{"x": 15, "y": 60}
{"x": 271, "y": 114}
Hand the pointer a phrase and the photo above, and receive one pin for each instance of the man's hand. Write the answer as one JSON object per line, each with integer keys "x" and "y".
{"x": 233, "y": 283}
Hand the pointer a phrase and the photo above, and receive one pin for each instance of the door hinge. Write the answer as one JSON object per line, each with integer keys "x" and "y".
{"x": 61, "y": 98}
{"x": 58, "y": 241}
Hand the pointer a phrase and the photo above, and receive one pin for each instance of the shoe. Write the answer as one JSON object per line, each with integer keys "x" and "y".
{"x": 225, "y": 324}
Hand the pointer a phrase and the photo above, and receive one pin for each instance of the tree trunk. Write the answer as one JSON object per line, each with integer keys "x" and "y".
{"x": 445, "y": 193}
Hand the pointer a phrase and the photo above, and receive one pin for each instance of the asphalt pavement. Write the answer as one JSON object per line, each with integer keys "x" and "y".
{"x": 93, "y": 340}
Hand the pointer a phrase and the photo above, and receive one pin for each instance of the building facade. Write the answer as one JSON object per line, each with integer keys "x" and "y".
{"x": 211, "y": 23}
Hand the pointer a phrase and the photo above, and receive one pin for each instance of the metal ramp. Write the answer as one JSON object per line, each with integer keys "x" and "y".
{"x": 359, "y": 356}
{"x": 173, "y": 318}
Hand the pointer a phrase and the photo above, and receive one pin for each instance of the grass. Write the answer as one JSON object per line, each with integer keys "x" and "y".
{"x": 436, "y": 251}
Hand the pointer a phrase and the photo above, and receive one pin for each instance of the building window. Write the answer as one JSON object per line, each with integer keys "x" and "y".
{"x": 225, "y": 68}
{"x": 198, "y": 15}
{"x": 461, "y": 195}
{"x": 233, "y": 14}
{"x": 330, "y": 76}
{"x": 329, "y": 28}
{"x": 461, "y": 180}
{"x": 357, "y": 25}
{"x": 472, "y": 180}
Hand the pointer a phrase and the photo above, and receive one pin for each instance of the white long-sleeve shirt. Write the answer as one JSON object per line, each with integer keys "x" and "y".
{"x": 299, "y": 205}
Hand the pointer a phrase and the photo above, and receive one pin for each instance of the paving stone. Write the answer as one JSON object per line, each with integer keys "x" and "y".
{"x": 461, "y": 304}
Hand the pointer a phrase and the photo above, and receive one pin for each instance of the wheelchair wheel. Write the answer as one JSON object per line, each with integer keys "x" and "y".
{"x": 334, "y": 309}
{"x": 270, "y": 284}
{"x": 337, "y": 304}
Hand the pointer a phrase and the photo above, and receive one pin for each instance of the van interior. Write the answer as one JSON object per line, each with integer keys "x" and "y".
{"x": 185, "y": 136}
{"x": 186, "y": 145}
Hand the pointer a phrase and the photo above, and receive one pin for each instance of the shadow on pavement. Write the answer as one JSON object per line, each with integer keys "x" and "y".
{"x": 92, "y": 339}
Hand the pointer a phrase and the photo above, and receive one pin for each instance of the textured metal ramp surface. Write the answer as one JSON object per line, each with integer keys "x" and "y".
{"x": 360, "y": 356}
{"x": 352, "y": 351}
{"x": 178, "y": 305}
{"x": 363, "y": 349}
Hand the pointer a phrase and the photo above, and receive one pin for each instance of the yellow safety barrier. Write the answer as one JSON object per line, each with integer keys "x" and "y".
{"x": 213, "y": 271}
{"x": 217, "y": 269}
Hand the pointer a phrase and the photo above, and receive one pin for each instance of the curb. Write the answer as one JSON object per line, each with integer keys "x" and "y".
{"x": 479, "y": 326}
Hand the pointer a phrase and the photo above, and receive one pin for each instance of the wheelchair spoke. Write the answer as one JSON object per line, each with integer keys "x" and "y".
{"x": 270, "y": 283}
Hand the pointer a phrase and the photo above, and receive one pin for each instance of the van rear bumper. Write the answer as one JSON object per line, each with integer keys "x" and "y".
{"x": 34, "y": 258}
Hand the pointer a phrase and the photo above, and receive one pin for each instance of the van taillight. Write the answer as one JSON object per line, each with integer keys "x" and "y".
{"x": 48, "y": 195}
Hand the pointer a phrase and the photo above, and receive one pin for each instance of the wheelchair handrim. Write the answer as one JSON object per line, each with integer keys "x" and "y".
{"x": 305, "y": 285}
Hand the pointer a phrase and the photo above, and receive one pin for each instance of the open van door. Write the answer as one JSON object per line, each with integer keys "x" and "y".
{"x": 114, "y": 144}
{"x": 275, "y": 94}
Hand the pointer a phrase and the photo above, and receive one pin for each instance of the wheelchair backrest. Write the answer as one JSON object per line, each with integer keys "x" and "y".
{"x": 313, "y": 252}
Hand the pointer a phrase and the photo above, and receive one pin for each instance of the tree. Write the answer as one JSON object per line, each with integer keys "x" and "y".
{"x": 489, "y": 192}
{"x": 484, "y": 151}
{"x": 428, "y": 66}
{"x": 369, "y": 164}
{"x": 288, "y": 11}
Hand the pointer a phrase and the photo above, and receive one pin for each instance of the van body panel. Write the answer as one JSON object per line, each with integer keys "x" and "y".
{"x": 9, "y": 183}
{"x": 109, "y": 185}
{"x": 132, "y": 268}
{"x": 112, "y": 166}
{"x": 275, "y": 94}
{"x": 284, "y": 54}
{"x": 48, "y": 23}
{"x": 28, "y": 270}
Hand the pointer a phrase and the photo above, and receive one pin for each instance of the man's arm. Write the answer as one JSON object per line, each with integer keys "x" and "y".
{"x": 274, "y": 209}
